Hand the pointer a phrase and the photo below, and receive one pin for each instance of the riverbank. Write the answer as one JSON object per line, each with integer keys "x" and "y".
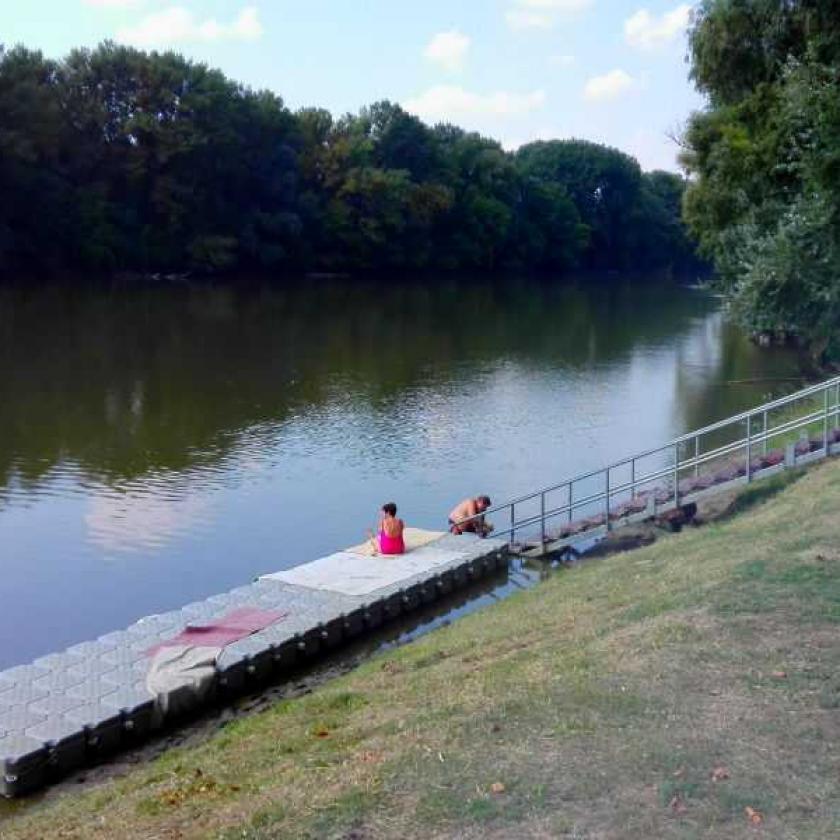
{"x": 686, "y": 689}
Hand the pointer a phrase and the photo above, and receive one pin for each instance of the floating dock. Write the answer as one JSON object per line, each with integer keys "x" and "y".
{"x": 69, "y": 709}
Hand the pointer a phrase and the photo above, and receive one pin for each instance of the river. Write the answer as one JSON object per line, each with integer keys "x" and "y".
{"x": 159, "y": 444}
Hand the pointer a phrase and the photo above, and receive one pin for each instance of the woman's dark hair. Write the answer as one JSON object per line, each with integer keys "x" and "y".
{"x": 485, "y": 500}
{"x": 390, "y": 508}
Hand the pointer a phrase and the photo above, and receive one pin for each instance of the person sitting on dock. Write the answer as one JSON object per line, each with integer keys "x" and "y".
{"x": 391, "y": 531}
{"x": 466, "y": 517}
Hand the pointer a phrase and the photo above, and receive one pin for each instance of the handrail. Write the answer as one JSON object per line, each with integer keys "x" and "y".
{"x": 779, "y": 403}
{"x": 757, "y": 434}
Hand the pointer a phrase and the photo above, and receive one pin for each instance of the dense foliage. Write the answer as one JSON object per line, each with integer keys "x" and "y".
{"x": 765, "y": 202}
{"x": 118, "y": 159}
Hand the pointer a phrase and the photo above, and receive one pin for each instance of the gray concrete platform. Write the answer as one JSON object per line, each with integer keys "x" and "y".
{"x": 70, "y": 708}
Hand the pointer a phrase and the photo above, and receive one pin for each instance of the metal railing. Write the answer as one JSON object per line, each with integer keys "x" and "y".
{"x": 659, "y": 479}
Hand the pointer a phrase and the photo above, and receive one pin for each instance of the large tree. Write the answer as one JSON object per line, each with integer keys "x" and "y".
{"x": 765, "y": 160}
{"x": 36, "y": 194}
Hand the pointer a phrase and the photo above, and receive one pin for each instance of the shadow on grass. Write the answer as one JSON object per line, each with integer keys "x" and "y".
{"x": 794, "y": 573}
{"x": 756, "y": 494}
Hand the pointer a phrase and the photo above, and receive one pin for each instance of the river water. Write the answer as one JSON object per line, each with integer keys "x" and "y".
{"x": 162, "y": 444}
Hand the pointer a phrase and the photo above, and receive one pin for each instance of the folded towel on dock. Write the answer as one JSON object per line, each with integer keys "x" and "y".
{"x": 231, "y": 627}
{"x": 414, "y": 538}
{"x": 180, "y": 676}
{"x": 183, "y": 669}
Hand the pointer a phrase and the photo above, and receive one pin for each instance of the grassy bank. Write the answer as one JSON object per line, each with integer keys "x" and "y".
{"x": 689, "y": 689}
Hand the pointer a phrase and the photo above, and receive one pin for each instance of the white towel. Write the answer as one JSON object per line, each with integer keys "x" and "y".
{"x": 181, "y": 676}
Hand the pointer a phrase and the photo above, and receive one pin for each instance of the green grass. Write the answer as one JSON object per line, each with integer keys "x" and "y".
{"x": 597, "y": 705}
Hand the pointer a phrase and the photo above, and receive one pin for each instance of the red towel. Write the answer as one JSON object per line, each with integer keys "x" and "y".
{"x": 230, "y": 628}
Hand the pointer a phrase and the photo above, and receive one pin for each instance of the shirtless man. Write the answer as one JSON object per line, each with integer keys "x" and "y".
{"x": 466, "y": 509}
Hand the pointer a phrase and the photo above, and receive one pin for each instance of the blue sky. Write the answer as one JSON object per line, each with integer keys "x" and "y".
{"x": 612, "y": 71}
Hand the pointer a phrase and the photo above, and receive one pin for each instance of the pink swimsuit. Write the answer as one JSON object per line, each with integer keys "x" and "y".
{"x": 391, "y": 545}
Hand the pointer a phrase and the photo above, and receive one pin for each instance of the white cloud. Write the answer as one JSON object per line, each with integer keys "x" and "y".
{"x": 448, "y": 103}
{"x": 178, "y": 25}
{"x": 511, "y": 144}
{"x": 562, "y": 60}
{"x": 541, "y": 14}
{"x": 448, "y": 50}
{"x": 646, "y": 31}
{"x": 609, "y": 86}
{"x": 523, "y": 19}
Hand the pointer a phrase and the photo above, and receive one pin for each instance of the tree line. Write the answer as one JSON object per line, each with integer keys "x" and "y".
{"x": 764, "y": 158}
{"x": 117, "y": 159}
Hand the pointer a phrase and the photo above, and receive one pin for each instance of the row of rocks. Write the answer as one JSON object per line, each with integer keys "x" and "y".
{"x": 730, "y": 471}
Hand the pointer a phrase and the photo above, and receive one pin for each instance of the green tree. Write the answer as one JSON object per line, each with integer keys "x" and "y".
{"x": 604, "y": 185}
{"x": 114, "y": 158}
{"x": 37, "y": 197}
{"x": 765, "y": 159}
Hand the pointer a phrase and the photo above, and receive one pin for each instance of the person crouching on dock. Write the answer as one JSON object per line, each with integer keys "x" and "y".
{"x": 391, "y": 529}
{"x": 471, "y": 510}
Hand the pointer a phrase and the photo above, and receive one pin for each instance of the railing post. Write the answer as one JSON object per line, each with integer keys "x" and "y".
{"x": 749, "y": 447}
{"x": 512, "y": 524}
{"x": 696, "y": 455}
{"x": 570, "y": 500}
{"x": 764, "y": 448}
{"x": 542, "y": 520}
{"x": 825, "y": 423}
{"x": 837, "y": 405}
{"x": 676, "y": 475}
{"x": 607, "y": 499}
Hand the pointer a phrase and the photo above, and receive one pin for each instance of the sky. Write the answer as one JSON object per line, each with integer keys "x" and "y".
{"x": 611, "y": 71}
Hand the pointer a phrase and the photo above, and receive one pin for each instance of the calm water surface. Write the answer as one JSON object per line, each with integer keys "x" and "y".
{"x": 158, "y": 445}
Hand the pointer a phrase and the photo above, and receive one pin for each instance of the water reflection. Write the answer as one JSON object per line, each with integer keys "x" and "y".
{"x": 160, "y": 444}
{"x": 125, "y": 380}
{"x": 137, "y": 520}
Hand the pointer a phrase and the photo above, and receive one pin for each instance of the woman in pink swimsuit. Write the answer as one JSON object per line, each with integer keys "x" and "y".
{"x": 391, "y": 531}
